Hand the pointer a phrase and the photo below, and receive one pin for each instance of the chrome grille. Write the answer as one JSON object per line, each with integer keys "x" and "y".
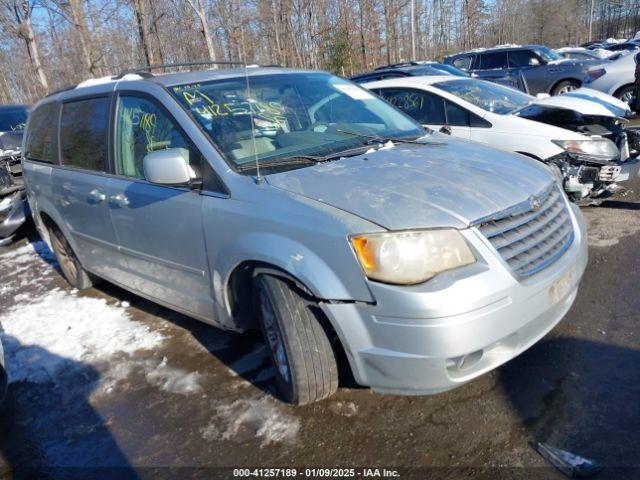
{"x": 532, "y": 235}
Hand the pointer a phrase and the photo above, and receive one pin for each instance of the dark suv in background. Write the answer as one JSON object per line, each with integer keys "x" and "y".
{"x": 531, "y": 68}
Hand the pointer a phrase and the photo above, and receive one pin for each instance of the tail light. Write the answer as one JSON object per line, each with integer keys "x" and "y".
{"x": 594, "y": 74}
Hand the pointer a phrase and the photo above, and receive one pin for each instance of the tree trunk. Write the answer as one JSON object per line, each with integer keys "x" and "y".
{"x": 145, "y": 39}
{"x": 34, "y": 56}
{"x": 80, "y": 25}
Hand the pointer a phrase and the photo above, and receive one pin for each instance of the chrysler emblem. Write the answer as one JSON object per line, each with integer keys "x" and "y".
{"x": 535, "y": 203}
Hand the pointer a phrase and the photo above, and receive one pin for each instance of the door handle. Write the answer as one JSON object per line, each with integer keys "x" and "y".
{"x": 96, "y": 196}
{"x": 120, "y": 200}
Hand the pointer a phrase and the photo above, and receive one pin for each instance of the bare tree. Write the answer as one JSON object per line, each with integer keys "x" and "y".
{"x": 140, "y": 13}
{"x": 198, "y": 7}
{"x": 15, "y": 19}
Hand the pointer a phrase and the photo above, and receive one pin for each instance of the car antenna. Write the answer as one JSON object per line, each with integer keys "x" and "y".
{"x": 253, "y": 130}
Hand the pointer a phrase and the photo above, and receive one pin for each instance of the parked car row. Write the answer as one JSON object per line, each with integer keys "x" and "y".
{"x": 531, "y": 68}
{"x": 581, "y": 134}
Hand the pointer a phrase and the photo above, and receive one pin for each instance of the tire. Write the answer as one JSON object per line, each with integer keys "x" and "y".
{"x": 565, "y": 86}
{"x": 70, "y": 266}
{"x": 304, "y": 362}
{"x": 625, "y": 94}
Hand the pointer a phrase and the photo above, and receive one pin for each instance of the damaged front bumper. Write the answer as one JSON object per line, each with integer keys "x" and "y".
{"x": 584, "y": 178}
{"x": 14, "y": 211}
{"x": 14, "y": 208}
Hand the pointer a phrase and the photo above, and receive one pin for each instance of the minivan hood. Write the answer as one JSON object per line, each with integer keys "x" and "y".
{"x": 416, "y": 186}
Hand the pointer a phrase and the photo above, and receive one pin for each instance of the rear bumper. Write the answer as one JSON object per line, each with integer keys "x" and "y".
{"x": 437, "y": 336}
{"x": 14, "y": 210}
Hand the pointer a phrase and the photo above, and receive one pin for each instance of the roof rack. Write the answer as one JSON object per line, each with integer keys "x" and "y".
{"x": 146, "y": 71}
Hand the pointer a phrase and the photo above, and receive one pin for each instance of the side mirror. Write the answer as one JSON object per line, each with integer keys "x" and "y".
{"x": 534, "y": 62}
{"x": 445, "y": 129}
{"x": 167, "y": 167}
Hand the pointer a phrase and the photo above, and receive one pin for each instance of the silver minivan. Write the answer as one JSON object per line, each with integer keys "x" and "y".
{"x": 301, "y": 204}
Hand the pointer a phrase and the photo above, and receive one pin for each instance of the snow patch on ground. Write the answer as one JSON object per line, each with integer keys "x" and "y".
{"x": 345, "y": 409}
{"x": 174, "y": 380}
{"x": 262, "y": 418}
{"x": 44, "y": 336}
{"x": 49, "y": 332}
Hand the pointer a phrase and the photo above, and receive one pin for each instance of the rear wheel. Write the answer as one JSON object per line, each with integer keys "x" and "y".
{"x": 305, "y": 364}
{"x": 565, "y": 86}
{"x": 71, "y": 268}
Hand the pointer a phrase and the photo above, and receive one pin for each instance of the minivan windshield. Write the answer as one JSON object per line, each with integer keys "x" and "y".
{"x": 12, "y": 118}
{"x": 286, "y": 117}
{"x": 486, "y": 95}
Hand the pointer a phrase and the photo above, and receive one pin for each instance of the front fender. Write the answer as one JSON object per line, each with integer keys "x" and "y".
{"x": 341, "y": 280}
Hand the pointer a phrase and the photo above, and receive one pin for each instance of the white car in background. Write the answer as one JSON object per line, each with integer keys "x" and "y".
{"x": 581, "y": 135}
{"x": 580, "y": 53}
{"x": 614, "y": 77}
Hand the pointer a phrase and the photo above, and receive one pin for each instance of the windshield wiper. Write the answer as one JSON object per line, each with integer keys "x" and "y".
{"x": 378, "y": 139}
{"x": 293, "y": 160}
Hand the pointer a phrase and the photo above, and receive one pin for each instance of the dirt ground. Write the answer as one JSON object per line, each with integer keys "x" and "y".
{"x": 106, "y": 379}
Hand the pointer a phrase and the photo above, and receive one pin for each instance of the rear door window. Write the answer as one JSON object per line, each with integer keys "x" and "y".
{"x": 493, "y": 60}
{"x": 83, "y": 134}
{"x": 521, "y": 58}
{"x": 456, "y": 115}
{"x": 39, "y": 143}
{"x": 424, "y": 107}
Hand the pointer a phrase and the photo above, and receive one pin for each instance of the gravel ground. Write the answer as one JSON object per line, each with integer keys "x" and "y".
{"x": 103, "y": 378}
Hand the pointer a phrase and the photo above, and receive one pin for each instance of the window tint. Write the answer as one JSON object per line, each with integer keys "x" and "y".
{"x": 143, "y": 127}
{"x": 463, "y": 62}
{"x": 422, "y": 106}
{"x": 521, "y": 58}
{"x": 83, "y": 134}
{"x": 493, "y": 60}
{"x": 456, "y": 116}
{"x": 40, "y": 134}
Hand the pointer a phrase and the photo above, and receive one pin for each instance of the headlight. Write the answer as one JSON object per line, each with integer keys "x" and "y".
{"x": 407, "y": 258}
{"x": 595, "y": 148}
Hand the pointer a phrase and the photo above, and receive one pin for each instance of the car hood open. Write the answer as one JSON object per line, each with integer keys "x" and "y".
{"x": 587, "y": 102}
{"x": 416, "y": 186}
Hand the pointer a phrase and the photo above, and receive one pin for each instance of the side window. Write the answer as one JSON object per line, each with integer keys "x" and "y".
{"x": 493, "y": 60}
{"x": 83, "y": 133}
{"x": 521, "y": 58}
{"x": 463, "y": 63}
{"x": 478, "y": 122}
{"x": 143, "y": 127}
{"x": 456, "y": 115}
{"x": 424, "y": 107}
{"x": 40, "y": 133}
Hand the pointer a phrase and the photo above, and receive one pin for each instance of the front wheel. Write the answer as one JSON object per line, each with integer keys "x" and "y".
{"x": 565, "y": 86}
{"x": 302, "y": 356}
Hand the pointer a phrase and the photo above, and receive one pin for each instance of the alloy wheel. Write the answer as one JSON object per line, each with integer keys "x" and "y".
{"x": 274, "y": 337}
